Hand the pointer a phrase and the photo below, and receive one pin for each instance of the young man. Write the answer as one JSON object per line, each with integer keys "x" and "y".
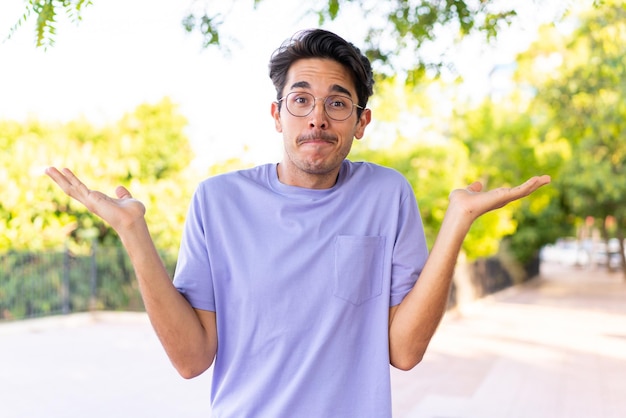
{"x": 300, "y": 279}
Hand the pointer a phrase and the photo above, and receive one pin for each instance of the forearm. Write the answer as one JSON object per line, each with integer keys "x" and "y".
{"x": 415, "y": 320}
{"x": 189, "y": 345}
{"x": 413, "y": 323}
{"x": 188, "y": 336}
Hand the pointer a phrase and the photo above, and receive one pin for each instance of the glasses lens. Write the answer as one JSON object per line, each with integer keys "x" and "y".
{"x": 338, "y": 107}
{"x": 301, "y": 104}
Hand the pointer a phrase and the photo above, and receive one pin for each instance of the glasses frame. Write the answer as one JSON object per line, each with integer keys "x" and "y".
{"x": 315, "y": 99}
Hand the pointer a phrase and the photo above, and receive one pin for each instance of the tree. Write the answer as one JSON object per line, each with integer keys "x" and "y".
{"x": 504, "y": 143}
{"x": 46, "y": 12}
{"x": 582, "y": 96}
{"x": 411, "y": 24}
{"x": 145, "y": 151}
{"x": 435, "y": 159}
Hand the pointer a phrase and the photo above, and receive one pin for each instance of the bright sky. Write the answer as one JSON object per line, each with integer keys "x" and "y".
{"x": 125, "y": 53}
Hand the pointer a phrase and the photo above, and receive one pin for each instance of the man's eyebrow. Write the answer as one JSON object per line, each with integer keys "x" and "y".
{"x": 336, "y": 88}
{"x": 340, "y": 89}
{"x": 301, "y": 84}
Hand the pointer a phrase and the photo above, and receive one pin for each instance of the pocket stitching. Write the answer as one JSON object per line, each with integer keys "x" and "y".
{"x": 371, "y": 250}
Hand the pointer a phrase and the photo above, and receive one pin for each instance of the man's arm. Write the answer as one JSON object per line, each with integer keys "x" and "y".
{"x": 414, "y": 321}
{"x": 189, "y": 336}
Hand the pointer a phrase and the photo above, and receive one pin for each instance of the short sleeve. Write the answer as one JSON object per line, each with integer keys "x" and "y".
{"x": 409, "y": 251}
{"x": 193, "y": 277}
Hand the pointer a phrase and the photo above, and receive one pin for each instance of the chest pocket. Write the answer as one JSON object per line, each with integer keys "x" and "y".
{"x": 358, "y": 267}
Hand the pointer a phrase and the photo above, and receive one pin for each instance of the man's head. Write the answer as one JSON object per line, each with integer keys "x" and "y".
{"x": 318, "y": 43}
{"x": 320, "y": 80}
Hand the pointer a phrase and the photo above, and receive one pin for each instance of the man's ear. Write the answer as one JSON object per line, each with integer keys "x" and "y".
{"x": 276, "y": 115}
{"x": 364, "y": 120}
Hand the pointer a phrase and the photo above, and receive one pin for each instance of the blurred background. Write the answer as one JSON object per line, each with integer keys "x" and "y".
{"x": 157, "y": 95}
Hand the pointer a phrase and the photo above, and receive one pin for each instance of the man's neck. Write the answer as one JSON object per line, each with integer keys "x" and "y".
{"x": 306, "y": 180}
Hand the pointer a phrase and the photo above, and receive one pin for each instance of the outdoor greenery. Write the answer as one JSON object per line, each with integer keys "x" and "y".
{"x": 47, "y": 241}
{"x": 563, "y": 115}
{"x": 35, "y": 284}
{"x": 145, "y": 151}
{"x": 411, "y": 22}
{"x": 585, "y": 114}
{"x": 413, "y": 25}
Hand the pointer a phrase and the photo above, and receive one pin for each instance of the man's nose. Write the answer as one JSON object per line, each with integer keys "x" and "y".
{"x": 318, "y": 117}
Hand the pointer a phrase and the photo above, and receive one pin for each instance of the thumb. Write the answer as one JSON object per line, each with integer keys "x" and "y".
{"x": 122, "y": 193}
{"x": 475, "y": 187}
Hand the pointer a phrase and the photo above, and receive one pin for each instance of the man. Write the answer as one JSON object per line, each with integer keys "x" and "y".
{"x": 300, "y": 279}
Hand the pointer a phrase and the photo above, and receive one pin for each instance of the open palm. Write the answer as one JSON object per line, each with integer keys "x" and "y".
{"x": 473, "y": 202}
{"x": 121, "y": 212}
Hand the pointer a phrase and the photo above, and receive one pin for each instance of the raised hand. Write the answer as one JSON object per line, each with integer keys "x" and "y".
{"x": 414, "y": 321}
{"x": 121, "y": 213}
{"x": 472, "y": 202}
{"x": 188, "y": 336}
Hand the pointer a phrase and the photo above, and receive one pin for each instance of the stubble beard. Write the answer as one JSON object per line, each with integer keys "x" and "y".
{"x": 326, "y": 163}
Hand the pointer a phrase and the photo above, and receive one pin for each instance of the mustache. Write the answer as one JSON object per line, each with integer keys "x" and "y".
{"x": 316, "y": 135}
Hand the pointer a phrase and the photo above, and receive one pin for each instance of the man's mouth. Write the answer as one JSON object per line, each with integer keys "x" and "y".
{"x": 316, "y": 137}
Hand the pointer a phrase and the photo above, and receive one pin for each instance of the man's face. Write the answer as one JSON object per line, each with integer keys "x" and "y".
{"x": 315, "y": 145}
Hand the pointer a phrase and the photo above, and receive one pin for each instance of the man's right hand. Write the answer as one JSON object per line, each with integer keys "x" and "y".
{"x": 189, "y": 336}
{"x": 121, "y": 213}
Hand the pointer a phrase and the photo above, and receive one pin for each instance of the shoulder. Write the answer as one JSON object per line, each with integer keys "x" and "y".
{"x": 237, "y": 178}
{"x": 373, "y": 173}
{"x": 369, "y": 179}
{"x": 234, "y": 185}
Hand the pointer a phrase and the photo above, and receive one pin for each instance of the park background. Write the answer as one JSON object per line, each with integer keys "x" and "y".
{"x": 127, "y": 96}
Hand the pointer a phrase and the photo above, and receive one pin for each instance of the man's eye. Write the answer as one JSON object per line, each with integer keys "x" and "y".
{"x": 301, "y": 100}
{"x": 337, "y": 102}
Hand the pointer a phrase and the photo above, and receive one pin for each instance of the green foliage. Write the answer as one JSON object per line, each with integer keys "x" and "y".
{"x": 145, "y": 151}
{"x": 34, "y": 284}
{"x": 506, "y": 147}
{"x": 47, "y": 12}
{"x": 565, "y": 119}
{"x": 541, "y": 220}
{"x": 153, "y": 137}
{"x": 410, "y": 23}
{"x": 206, "y": 25}
{"x": 492, "y": 143}
{"x": 427, "y": 168}
{"x": 601, "y": 191}
{"x": 434, "y": 170}
{"x": 581, "y": 99}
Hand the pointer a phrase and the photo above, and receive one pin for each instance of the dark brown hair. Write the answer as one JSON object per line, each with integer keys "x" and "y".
{"x": 319, "y": 43}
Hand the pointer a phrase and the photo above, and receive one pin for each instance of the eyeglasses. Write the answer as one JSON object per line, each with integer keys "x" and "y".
{"x": 301, "y": 104}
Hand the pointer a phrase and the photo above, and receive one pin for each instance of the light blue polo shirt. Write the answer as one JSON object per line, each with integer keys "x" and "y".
{"x": 301, "y": 281}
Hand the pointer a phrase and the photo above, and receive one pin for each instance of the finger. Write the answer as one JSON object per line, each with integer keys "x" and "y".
{"x": 75, "y": 183}
{"x": 122, "y": 193}
{"x": 69, "y": 183}
{"x": 507, "y": 196}
{"x": 61, "y": 179}
{"x": 58, "y": 178}
{"x": 71, "y": 178}
{"x": 533, "y": 184}
{"x": 542, "y": 180}
{"x": 475, "y": 187}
